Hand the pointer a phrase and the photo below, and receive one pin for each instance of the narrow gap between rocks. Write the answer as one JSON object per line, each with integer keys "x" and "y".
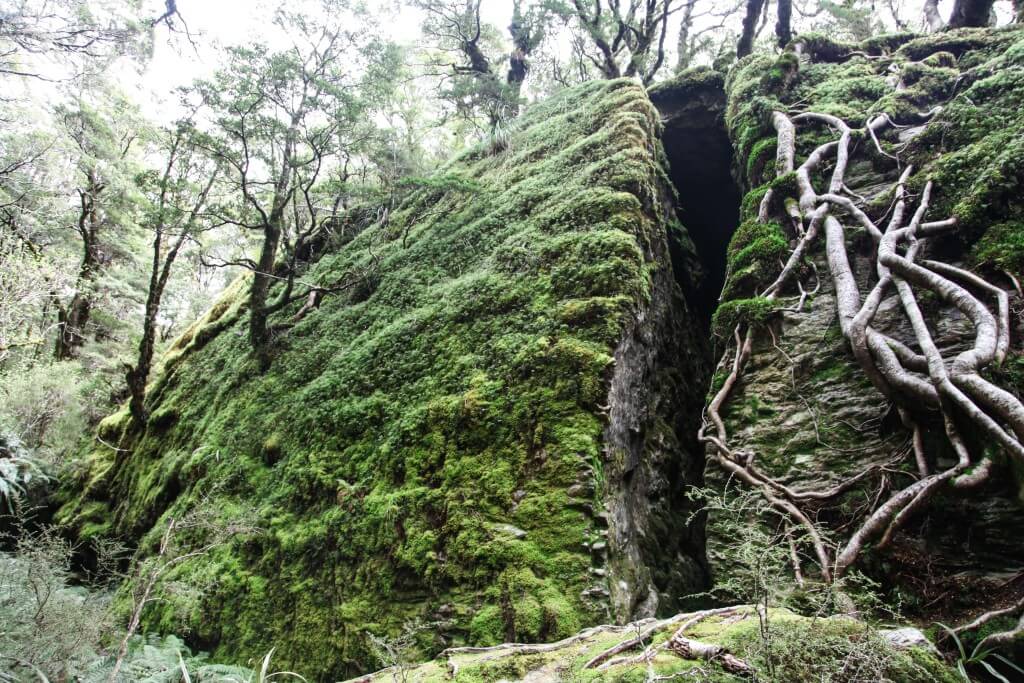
{"x": 700, "y": 160}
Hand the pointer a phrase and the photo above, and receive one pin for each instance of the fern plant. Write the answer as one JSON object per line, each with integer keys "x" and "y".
{"x": 17, "y": 470}
{"x": 979, "y": 657}
{"x": 226, "y": 674}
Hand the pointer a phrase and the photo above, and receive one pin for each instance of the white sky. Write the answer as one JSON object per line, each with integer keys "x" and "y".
{"x": 233, "y": 22}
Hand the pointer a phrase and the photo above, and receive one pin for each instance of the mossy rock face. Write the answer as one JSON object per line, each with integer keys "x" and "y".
{"x": 783, "y": 647}
{"x": 803, "y": 411}
{"x": 493, "y": 437}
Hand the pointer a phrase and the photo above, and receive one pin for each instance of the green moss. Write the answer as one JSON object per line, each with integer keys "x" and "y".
{"x": 802, "y": 648}
{"x": 754, "y": 311}
{"x": 748, "y": 109}
{"x": 941, "y": 59}
{"x": 761, "y": 156}
{"x": 784, "y": 646}
{"x": 112, "y": 427}
{"x": 272, "y": 450}
{"x": 886, "y": 43}
{"x": 1002, "y": 246}
{"x": 399, "y": 434}
{"x": 782, "y": 74}
{"x": 956, "y": 42}
{"x": 823, "y": 48}
{"x": 845, "y": 90}
{"x": 163, "y": 417}
{"x": 974, "y": 149}
{"x": 753, "y": 256}
{"x": 688, "y": 84}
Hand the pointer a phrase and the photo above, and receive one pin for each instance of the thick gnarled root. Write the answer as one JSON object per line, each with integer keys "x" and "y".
{"x": 912, "y": 377}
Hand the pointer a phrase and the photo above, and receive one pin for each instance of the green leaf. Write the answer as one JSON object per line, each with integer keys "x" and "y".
{"x": 1008, "y": 663}
{"x": 995, "y": 674}
{"x": 184, "y": 669}
{"x": 956, "y": 639}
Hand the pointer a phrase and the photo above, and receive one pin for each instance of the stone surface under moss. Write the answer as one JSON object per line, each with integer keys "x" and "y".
{"x": 491, "y": 433}
{"x": 803, "y": 408}
{"x": 797, "y": 648}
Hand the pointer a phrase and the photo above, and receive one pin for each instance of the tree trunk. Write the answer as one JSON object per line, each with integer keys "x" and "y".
{"x": 71, "y": 322}
{"x": 970, "y": 13}
{"x": 73, "y": 318}
{"x": 137, "y": 376}
{"x": 159, "y": 274}
{"x": 932, "y": 16}
{"x": 1018, "y": 11}
{"x": 746, "y": 41}
{"x": 684, "y": 57}
{"x": 259, "y": 308}
{"x": 259, "y": 313}
{"x": 518, "y": 66}
{"x": 783, "y": 30}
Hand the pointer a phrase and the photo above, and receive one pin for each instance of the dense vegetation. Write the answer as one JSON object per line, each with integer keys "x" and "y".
{"x": 353, "y": 352}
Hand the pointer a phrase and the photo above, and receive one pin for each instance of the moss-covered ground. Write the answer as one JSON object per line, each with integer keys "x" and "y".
{"x": 783, "y": 648}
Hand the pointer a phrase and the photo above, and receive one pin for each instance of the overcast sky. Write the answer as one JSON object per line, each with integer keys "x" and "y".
{"x": 233, "y": 22}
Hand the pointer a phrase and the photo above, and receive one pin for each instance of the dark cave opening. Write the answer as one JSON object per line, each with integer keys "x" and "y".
{"x": 700, "y": 160}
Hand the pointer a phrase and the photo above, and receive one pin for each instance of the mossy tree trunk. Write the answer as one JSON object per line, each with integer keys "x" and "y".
{"x": 167, "y": 219}
{"x": 259, "y": 329}
{"x": 967, "y": 13}
{"x": 745, "y": 45}
{"x": 73, "y": 318}
{"x": 272, "y": 227}
{"x": 783, "y": 30}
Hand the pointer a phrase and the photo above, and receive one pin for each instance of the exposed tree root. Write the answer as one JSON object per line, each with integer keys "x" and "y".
{"x": 678, "y": 644}
{"x": 1002, "y": 637}
{"x": 688, "y": 648}
{"x": 912, "y": 378}
{"x": 688, "y": 621}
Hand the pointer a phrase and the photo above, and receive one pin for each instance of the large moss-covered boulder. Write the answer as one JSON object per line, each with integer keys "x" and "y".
{"x": 803, "y": 413}
{"x": 489, "y": 432}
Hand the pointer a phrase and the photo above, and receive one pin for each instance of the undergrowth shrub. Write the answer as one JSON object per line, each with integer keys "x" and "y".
{"x": 48, "y": 407}
{"x": 49, "y": 626}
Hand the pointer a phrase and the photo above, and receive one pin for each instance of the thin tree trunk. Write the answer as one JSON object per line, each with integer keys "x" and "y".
{"x": 783, "y": 30}
{"x": 970, "y": 13}
{"x": 73, "y": 318}
{"x": 932, "y": 16}
{"x": 160, "y": 273}
{"x": 259, "y": 329}
{"x": 683, "y": 45}
{"x": 518, "y": 64}
{"x": 138, "y": 375}
{"x": 746, "y": 41}
{"x": 259, "y": 308}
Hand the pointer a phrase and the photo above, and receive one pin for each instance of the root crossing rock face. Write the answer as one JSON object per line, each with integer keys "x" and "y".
{"x": 845, "y": 456}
